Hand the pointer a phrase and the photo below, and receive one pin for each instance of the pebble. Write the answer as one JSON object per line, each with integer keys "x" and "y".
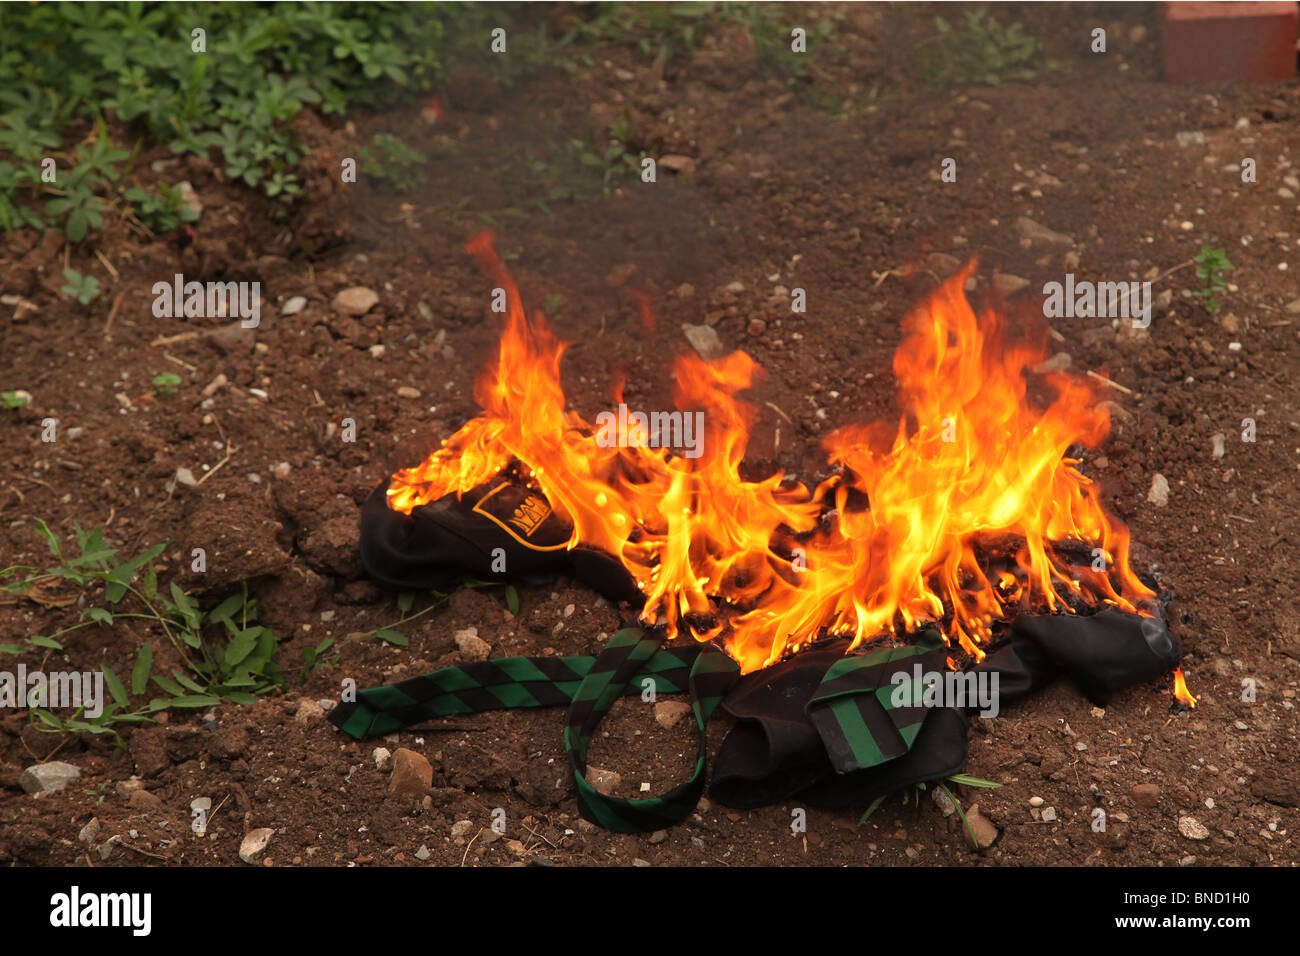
{"x": 412, "y": 773}
{"x": 1057, "y": 363}
{"x": 1190, "y": 138}
{"x": 983, "y": 829}
{"x": 1192, "y": 828}
{"x": 604, "y": 781}
{"x": 705, "y": 341}
{"x": 471, "y": 646}
{"x": 308, "y": 710}
{"x": 1008, "y": 284}
{"x": 406, "y": 391}
{"x": 669, "y": 713}
{"x": 377, "y": 351}
{"x": 381, "y": 755}
{"x": 357, "y": 300}
{"x": 658, "y": 836}
{"x": 1159, "y": 493}
{"x": 212, "y": 387}
{"x": 637, "y": 861}
{"x": 48, "y": 777}
{"x": 1145, "y": 794}
{"x": 282, "y": 470}
{"x": 697, "y": 843}
{"x": 186, "y": 477}
{"x": 462, "y": 829}
{"x": 678, "y": 163}
{"x": 203, "y": 804}
{"x": 1217, "y": 445}
{"x": 1049, "y": 814}
{"x": 943, "y": 802}
{"x": 189, "y": 197}
{"x": 756, "y": 328}
{"x": 1036, "y": 801}
{"x": 422, "y": 853}
{"x": 1037, "y": 234}
{"x": 88, "y": 833}
{"x": 254, "y": 842}
{"x": 127, "y": 787}
{"x": 144, "y": 800}
{"x": 295, "y": 305}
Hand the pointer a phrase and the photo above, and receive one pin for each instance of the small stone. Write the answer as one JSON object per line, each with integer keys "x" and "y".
{"x": 1036, "y": 801}
{"x": 491, "y": 836}
{"x": 380, "y": 756}
{"x": 697, "y": 843}
{"x": 462, "y": 829}
{"x": 1039, "y": 235}
{"x": 942, "y": 264}
{"x": 943, "y": 801}
{"x": 658, "y": 836}
{"x": 1217, "y": 444}
{"x": 1057, "y": 363}
{"x": 412, "y": 773}
{"x": 422, "y": 853}
{"x": 1137, "y": 33}
{"x": 48, "y": 777}
{"x": 202, "y": 804}
{"x": 756, "y": 328}
{"x": 406, "y": 391}
{"x": 1145, "y": 794}
{"x": 604, "y": 781}
{"x": 144, "y": 800}
{"x": 254, "y": 843}
{"x": 668, "y": 713}
{"x": 357, "y": 300}
{"x": 189, "y": 197}
{"x": 1190, "y": 138}
{"x": 282, "y": 470}
{"x": 88, "y": 833}
{"x": 471, "y": 646}
{"x": 515, "y": 847}
{"x": 1293, "y": 307}
{"x": 1008, "y": 284}
{"x": 677, "y": 163}
{"x": 377, "y": 351}
{"x": 295, "y": 305}
{"x": 1049, "y": 814}
{"x": 1159, "y": 493}
{"x": 705, "y": 341}
{"x": 984, "y": 831}
{"x": 186, "y": 478}
{"x": 308, "y": 710}
{"x": 637, "y": 861}
{"x": 127, "y": 787}
{"x": 1192, "y": 828}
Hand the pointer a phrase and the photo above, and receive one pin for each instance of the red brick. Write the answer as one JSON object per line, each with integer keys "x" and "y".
{"x": 1230, "y": 42}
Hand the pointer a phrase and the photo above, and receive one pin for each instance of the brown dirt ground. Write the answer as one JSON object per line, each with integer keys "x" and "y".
{"x": 782, "y": 195}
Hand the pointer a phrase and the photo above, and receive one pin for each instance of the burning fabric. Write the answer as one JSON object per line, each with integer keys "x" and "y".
{"x": 965, "y": 539}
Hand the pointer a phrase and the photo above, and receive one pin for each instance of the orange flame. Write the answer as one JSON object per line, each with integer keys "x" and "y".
{"x": 1181, "y": 693}
{"x": 906, "y": 532}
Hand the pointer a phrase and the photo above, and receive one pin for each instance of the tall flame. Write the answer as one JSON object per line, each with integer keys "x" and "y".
{"x": 905, "y": 532}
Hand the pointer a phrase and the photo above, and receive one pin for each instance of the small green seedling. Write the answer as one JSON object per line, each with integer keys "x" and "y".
{"x": 84, "y": 288}
{"x": 1210, "y": 266}
{"x": 165, "y": 383}
{"x": 17, "y": 399}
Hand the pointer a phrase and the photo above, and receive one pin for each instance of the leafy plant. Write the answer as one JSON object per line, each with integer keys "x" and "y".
{"x": 913, "y": 794}
{"x": 224, "y": 653}
{"x": 16, "y": 399}
{"x": 84, "y": 288}
{"x": 980, "y": 51}
{"x": 1210, "y": 266}
{"x": 388, "y": 158}
{"x": 161, "y": 211}
{"x": 165, "y": 383}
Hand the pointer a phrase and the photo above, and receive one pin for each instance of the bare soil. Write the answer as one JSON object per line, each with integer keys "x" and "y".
{"x": 853, "y": 211}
